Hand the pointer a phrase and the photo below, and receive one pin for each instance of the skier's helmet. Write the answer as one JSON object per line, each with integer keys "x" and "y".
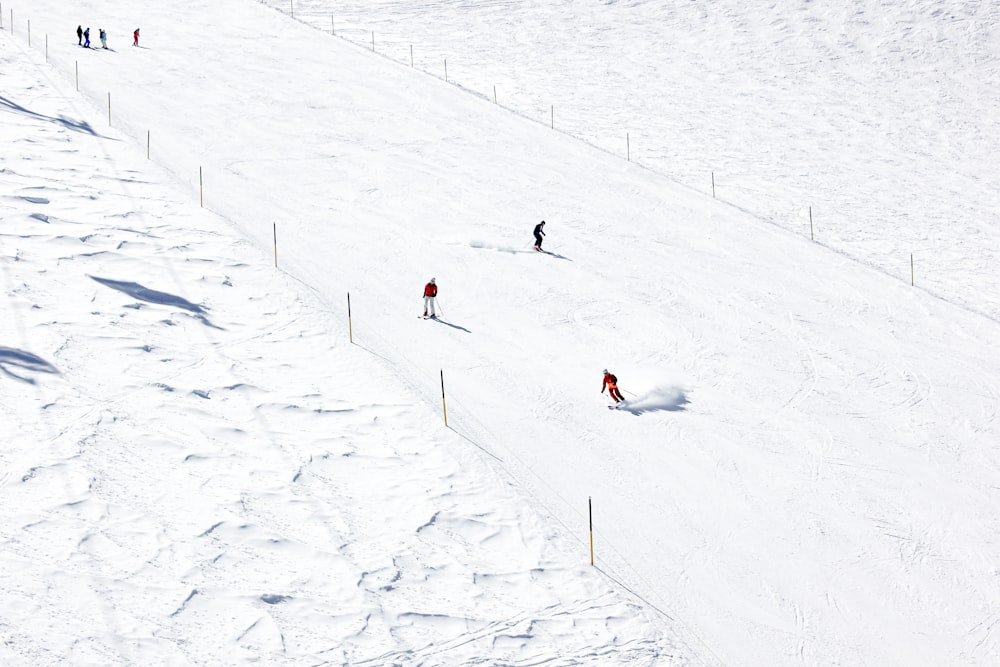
{"x": 432, "y": 281}
{"x": 605, "y": 371}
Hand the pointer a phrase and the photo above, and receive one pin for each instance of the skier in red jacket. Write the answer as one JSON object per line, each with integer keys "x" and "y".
{"x": 611, "y": 382}
{"x": 430, "y": 292}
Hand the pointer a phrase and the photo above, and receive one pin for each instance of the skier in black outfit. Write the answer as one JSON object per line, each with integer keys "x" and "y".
{"x": 539, "y": 233}
{"x": 79, "y": 35}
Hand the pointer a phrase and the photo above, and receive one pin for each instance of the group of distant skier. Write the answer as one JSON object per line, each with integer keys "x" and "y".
{"x": 83, "y": 37}
{"x": 430, "y": 312}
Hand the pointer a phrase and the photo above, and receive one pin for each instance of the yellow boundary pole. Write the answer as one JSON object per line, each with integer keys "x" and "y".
{"x": 350, "y": 327}
{"x": 590, "y": 515}
{"x": 444, "y": 406}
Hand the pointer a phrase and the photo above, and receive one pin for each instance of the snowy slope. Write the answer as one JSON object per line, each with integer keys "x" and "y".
{"x": 199, "y": 469}
{"x": 806, "y": 472}
{"x": 875, "y": 113}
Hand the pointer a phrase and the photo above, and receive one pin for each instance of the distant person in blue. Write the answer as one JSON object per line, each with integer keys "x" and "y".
{"x": 539, "y": 233}
{"x": 79, "y": 35}
{"x": 104, "y": 38}
{"x": 86, "y": 38}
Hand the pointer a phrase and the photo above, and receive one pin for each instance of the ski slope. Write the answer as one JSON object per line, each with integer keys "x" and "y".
{"x": 209, "y": 465}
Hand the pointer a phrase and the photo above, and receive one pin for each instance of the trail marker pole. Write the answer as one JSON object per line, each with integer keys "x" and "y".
{"x": 373, "y": 40}
{"x": 350, "y": 328}
{"x": 812, "y": 237}
{"x": 444, "y": 407}
{"x": 713, "y": 185}
{"x": 291, "y": 7}
{"x": 552, "y": 116}
{"x": 333, "y": 28}
{"x": 411, "y": 55}
{"x": 590, "y": 516}
{"x": 446, "y": 70}
{"x": 46, "y": 48}
{"x": 275, "y": 244}
{"x": 494, "y": 94}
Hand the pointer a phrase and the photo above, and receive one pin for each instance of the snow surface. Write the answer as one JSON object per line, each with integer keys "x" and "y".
{"x": 201, "y": 468}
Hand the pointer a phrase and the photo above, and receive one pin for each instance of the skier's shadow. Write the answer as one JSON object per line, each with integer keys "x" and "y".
{"x": 453, "y": 326}
{"x": 514, "y": 251}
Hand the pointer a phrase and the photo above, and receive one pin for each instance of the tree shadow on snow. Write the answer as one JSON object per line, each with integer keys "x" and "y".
{"x": 137, "y": 291}
{"x": 22, "y": 361}
{"x": 76, "y": 126}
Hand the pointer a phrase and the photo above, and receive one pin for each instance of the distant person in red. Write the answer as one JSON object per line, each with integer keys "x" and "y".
{"x": 135, "y": 37}
{"x": 611, "y": 382}
{"x": 430, "y": 293}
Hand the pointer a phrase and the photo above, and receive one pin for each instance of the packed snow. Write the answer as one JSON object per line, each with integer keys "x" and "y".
{"x": 211, "y": 458}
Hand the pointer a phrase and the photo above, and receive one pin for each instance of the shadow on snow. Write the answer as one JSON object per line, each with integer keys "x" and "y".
{"x": 137, "y": 291}
{"x": 453, "y": 326}
{"x": 481, "y": 245}
{"x": 11, "y": 358}
{"x": 76, "y": 126}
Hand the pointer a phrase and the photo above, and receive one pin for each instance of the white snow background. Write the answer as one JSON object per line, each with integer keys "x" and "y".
{"x": 198, "y": 466}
